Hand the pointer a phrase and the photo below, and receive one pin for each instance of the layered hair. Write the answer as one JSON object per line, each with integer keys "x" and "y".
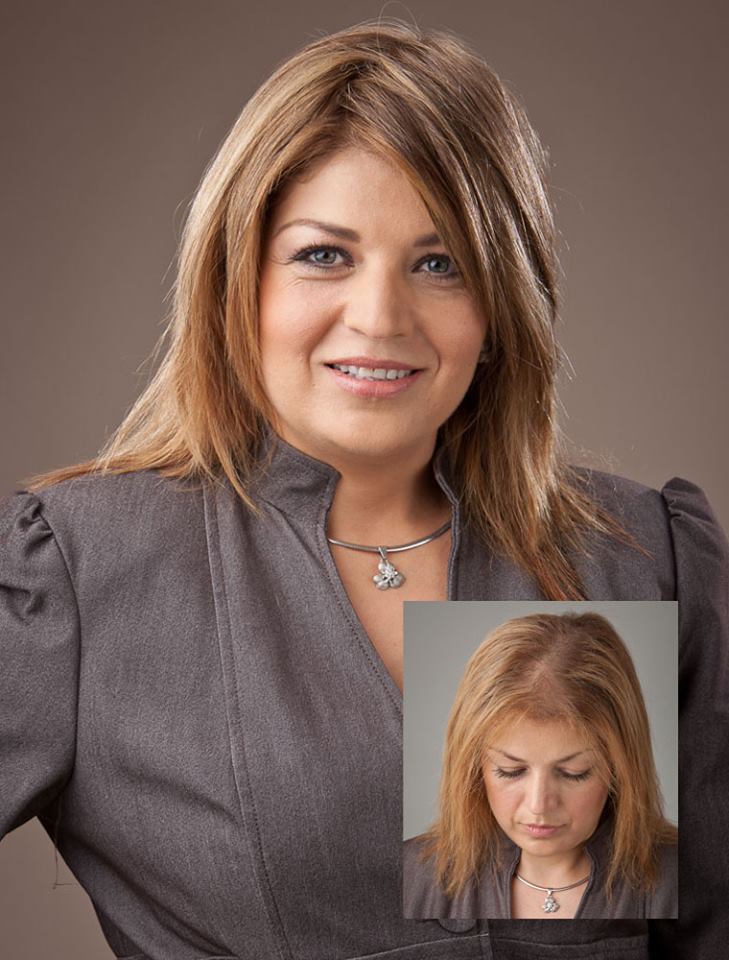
{"x": 429, "y": 104}
{"x": 572, "y": 668}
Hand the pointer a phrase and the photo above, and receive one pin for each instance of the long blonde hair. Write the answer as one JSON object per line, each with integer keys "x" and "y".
{"x": 573, "y": 668}
{"x": 429, "y": 104}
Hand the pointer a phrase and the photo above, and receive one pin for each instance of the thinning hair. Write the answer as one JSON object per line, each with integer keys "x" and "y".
{"x": 572, "y": 668}
{"x": 429, "y": 104}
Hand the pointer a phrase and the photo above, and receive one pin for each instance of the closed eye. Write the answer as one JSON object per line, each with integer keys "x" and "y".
{"x": 575, "y": 777}
{"x": 510, "y": 774}
{"x": 515, "y": 772}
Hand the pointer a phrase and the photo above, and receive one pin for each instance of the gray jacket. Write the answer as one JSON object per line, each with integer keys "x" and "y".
{"x": 491, "y": 897}
{"x": 190, "y": 704}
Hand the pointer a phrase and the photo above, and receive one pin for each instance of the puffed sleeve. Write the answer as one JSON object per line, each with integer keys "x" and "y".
{"x": 702, "y": 590}
{"x": 39, "y": 655}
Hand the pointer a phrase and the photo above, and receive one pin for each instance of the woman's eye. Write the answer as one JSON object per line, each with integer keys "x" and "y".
{"x": 440, "y": 266}
{"x": 575, "y": 777}
{"x": 319, "y": 256}
{"x": 508, "y": 774}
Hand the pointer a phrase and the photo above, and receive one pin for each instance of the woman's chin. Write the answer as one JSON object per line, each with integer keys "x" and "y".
{"x": 370, "y": 443}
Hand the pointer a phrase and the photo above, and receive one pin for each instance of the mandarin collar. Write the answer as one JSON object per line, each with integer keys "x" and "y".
{"x": 303, "y": 487}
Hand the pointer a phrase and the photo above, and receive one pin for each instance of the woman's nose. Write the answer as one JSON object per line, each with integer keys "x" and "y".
{"x": 379, "y": 307}
{"x": 541, "y": 796}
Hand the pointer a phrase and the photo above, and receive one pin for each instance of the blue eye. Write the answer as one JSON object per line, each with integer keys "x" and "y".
{"x": 306, "y": 255}
{"x": 324, "y": 257}
{"x": 326, "y": 253}
{"x": 440, "y": 274}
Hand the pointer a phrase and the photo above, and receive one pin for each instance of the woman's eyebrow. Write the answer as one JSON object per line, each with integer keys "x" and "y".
{"x": 518, "y": 760}
{"x": 346, "y": 234}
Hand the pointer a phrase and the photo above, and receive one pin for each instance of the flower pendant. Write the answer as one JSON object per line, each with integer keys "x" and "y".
{"x": 550, "y": 905}
{"x": 388, "y": 577}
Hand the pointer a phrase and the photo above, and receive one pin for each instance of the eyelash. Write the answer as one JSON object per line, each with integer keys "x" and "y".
{"x": 301, "y": 257}
{"x": 515, "y": 774}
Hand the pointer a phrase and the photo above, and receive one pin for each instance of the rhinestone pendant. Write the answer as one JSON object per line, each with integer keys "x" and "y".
{"x": 388, "y": 577}
{"x": 550, "y": 905}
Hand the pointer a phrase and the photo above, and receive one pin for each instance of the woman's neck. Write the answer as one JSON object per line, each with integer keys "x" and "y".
{"x": 558, "y": 870}
{"x": 389, "y": 503}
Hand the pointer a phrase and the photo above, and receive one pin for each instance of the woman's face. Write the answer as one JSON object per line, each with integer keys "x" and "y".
{"x": 542, "y": 786}
{"x": 369, "y": 339}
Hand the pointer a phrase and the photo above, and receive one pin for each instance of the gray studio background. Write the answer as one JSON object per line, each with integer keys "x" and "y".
{"x": 439, "y": 640}
{"x": 111, "y": 111}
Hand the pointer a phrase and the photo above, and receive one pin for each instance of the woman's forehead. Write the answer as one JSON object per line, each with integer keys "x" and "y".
{"x": 540, "y": 741}
{"x": 353, "y": 188}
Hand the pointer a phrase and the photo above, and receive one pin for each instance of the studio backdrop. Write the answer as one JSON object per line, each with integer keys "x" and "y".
{"x": 112, "y": 111}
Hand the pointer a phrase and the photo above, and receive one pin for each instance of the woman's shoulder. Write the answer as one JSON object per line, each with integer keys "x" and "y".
{"x": 101, "y": 516}
{"x": 99, "y": 490}
{"x": 423, "y": 897}
{"x": 416, "y": 860}
{"x": 674, "y": 526}
{"x": 663, "y": 901}
{"x": 94, "y": 496}
{"x": 635, "y": 503}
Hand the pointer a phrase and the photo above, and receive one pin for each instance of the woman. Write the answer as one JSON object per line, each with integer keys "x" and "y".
{"x": 550, "y": 802}
{"x": 204, "y": 702}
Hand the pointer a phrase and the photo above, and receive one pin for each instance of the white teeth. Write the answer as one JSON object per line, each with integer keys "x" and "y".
{"x": 370, "y": 373}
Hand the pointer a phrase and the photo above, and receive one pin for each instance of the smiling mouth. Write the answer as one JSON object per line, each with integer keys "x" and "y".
{"x": 372, "y": 373}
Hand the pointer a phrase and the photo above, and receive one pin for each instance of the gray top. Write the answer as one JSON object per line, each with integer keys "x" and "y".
{"x": 189, "y": 702}
{"x": 491, "y": 896}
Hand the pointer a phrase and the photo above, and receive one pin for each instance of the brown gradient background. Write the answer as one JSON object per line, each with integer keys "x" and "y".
{"x": 112, "y": 110}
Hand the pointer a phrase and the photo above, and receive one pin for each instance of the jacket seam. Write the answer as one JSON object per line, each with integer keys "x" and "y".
{"x": 269, "y": 902}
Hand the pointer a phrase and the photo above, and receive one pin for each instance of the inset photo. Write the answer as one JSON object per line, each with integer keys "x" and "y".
{"x": 540, "y": 760}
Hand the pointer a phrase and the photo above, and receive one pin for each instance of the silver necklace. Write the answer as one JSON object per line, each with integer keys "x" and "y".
{"x": 550, "y": 905}
{"x": 389, "y": 577}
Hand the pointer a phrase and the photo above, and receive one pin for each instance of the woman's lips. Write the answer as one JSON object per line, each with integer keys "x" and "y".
{"x": 540, "y": 830}
{"x": 370, "y": 377}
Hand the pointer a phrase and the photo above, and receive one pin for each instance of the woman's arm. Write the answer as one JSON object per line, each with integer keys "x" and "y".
{"x": 39, "y": 656}
{"x": 702, "y": 577}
